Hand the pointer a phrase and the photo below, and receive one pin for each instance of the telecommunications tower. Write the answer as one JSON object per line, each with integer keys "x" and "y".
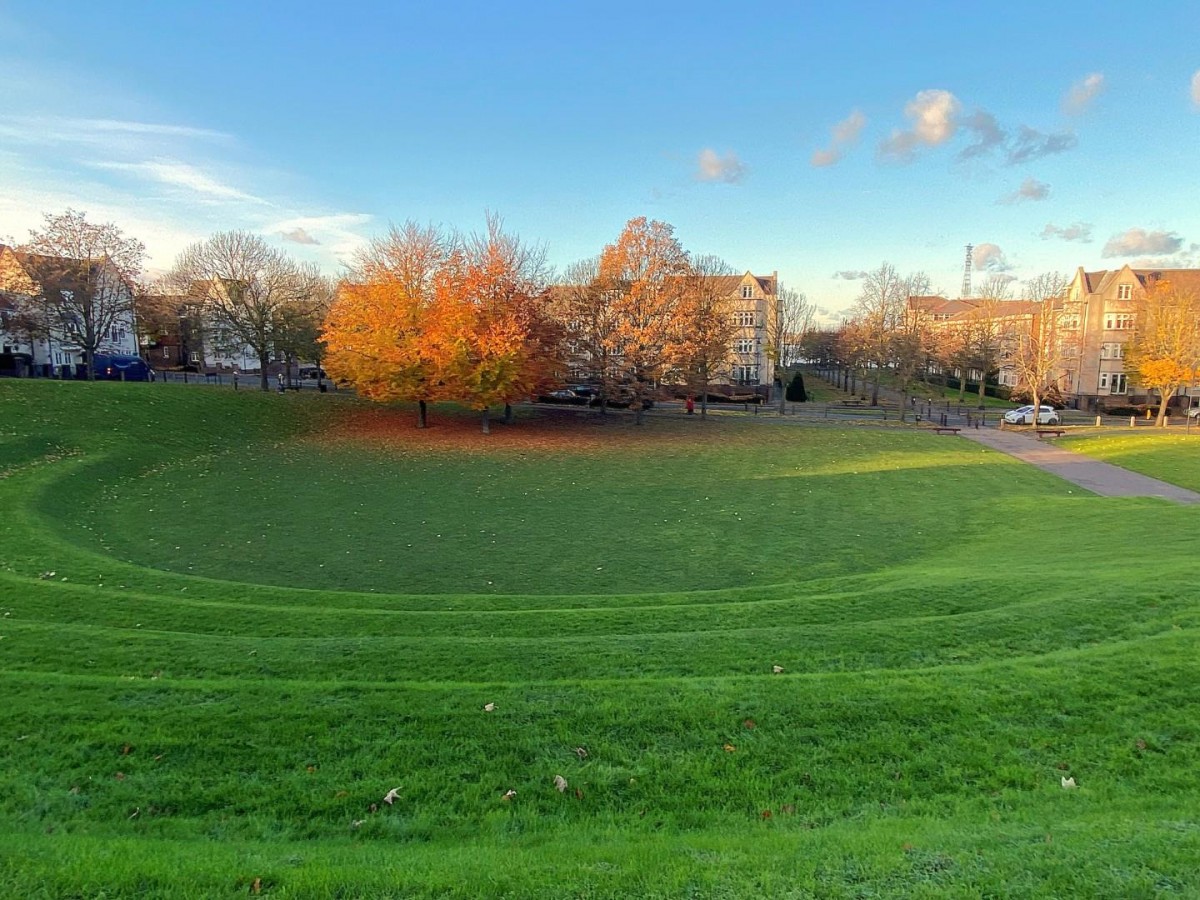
{"x": 966, "y": 285}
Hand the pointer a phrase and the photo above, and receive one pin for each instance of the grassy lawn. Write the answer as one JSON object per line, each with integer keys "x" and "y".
{"x": 233, "y": 622}
{"x": 1171, "y": 454}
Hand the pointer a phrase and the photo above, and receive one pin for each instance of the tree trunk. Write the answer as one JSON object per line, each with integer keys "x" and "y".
{"x": 962, "y": 385}
{"x": 485, "y": 423}
{"x": 782, "y": 396}
{"x": 262, "y": 372}
{"x": 982, "y": 391}
{"x": 508, "y": 413}
{"x": 421, "y": 409}
{"x": 637, "y": 412}
{"x": 875, "y": 389}
{"x": 1161, "y": 421}
{"x": 89, "y": 359}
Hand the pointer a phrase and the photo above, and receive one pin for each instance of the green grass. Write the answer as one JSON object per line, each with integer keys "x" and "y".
{"x": 1170, "y": 454}
{"x": 255, "y": 629}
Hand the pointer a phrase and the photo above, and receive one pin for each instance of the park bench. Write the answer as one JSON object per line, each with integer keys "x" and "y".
{"x": 1057, "y": 432}
{"x": 946, "y": 429}
{"x": 853, "y": 402}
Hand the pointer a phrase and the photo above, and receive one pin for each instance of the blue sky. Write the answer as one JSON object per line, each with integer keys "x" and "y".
{"x": 817, "y": 140}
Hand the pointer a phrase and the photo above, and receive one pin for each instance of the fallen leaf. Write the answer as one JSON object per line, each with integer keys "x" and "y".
{"x": 560, "y": 783}
{"x": 357, "y": 823}
{"x": 1068, "y": 783}
{"x": 778, "y": 670}
{"x": 581, "y": 752}
{"x": 256, "y": 886}
{"x": 342, "y": 794}
{"x": 729, "y": 748}
{"x": 750, "y": 723}
{"x": 578, "y": 794}
{"x": 489, "y": 707}
{"x": 310, "y": 769}
{"x": 120, "y": 776}
{"x": 787, "y": 809}
{"x": 126, "y": 750}
{"x": 1141, "y": 744}
{"x": 508, "y": 795}
{"x": 391, "y": 796}
{"x": 766, "y": 814}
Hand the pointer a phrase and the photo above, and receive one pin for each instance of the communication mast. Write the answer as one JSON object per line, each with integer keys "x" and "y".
{"x": 966, "y": 285}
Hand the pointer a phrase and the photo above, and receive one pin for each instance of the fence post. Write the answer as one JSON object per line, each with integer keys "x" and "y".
{"x": 1097, "y": 421}
{"x": 1132, "y": 423}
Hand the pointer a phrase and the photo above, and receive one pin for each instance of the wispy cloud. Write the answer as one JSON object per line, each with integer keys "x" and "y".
{"x": 850, "y": 275}
{"x": 114, "y": 136}
{"x": 1030, "y": 189}
{"x": 1082, "y": 93}
{"x": 990, "y": 258}
{"x": 711, "y": 166}
{"x": 934, "y": 116}
{"x": 1139, "y": 242}
{"x": 845, "y": 134}
{"x": 1031, "y": 144}
{"x": 1079, "y": 231}
{"x": 988, "y": 134}
{"x": 181, "y": 175}
{"x": 1196, "y": 89}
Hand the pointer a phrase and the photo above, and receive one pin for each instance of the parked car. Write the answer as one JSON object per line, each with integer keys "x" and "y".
{"x": 119, "y": 367}
{"x": 311, "y": 372}
{"x": 564, "y": 395}
{"x": 1024, "y": 416}
{"x": 1194, "y": 412}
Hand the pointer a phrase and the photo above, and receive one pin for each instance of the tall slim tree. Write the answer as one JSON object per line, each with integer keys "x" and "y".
{"x": 86, "y": 275}
{"x": 708, "y": 329}
{"x": 1040, "y": 344}
{"x": 245, "y": 287}
{"x": 1164, "y": 352}
{"x": 879, "y": 312}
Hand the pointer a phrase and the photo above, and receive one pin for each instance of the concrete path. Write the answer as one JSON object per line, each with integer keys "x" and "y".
{"x": 1091, "y": 474}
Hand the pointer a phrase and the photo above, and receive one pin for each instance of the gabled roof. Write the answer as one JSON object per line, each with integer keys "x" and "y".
{"x": 1099, "y": 282}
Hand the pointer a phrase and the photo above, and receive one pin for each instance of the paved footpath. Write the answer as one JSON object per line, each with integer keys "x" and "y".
{"x": 1091, "y": 474}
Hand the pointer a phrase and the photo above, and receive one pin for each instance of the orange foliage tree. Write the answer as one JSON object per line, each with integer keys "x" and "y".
{"x": 382, "y": 331}
{"x": 425, "y": 316}
{"x": 645, "y": 271}
{"x": 1164, "y": 353}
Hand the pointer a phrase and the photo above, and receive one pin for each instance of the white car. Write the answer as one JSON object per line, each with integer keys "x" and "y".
{"x": 1024, "y": 416}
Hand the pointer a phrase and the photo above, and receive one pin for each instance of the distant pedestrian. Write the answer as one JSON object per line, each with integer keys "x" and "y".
{"x": 236, "y": 375}
{"x": 690, "y": 404}
{"x": 279, "y": 379}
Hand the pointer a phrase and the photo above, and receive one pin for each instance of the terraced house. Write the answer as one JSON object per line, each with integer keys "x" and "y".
{"x": 53, "y": 309}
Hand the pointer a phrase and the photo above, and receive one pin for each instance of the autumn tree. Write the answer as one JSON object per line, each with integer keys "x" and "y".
{"x": 1040, "y": 343}
{"x": 84, "y": 275}
{"x": 788, "y": 320}
{"x": 707, "y": 328}
{"x": 646, "y": 270}
{"x": 879, "y": 313}
{"x": 985, "y": 329}
{"x": 300, "y": 323}
{"x": 1164, "y": 351}
{"x": 586, "y": 311}
{"x": 497, "y": 340}
{"x": 382, "y": 323}
{"x": 245, "y": 287}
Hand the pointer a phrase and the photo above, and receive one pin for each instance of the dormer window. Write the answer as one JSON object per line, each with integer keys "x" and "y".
{"x": 1124, "y": 291}
{"x": 747, "y": 292}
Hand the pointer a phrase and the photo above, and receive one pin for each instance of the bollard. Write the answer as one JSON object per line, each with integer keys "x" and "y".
{"x": 1132, "y": 422}
{"x": 1097, "y": 421}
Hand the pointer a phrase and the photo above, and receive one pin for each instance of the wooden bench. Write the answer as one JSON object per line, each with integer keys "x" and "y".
{"x": 1057, "y": 432}
{"x": 946, "y": 429}
{"x": 853, "y": 402}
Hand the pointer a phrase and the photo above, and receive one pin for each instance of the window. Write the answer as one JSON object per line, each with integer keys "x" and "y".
{"x": 166, "y": 353}
{"x": 1112, "y": 351}
{"x": 744, "y": 346}
{"x": 743, "y": 319}
{"x": 1113, "y": 382}
{"x": 745, "y": 374}
{"x": 195, "y": 356}
{"x": 747, "y": 292}
{"x": 1124, "y": 291}
{"x": 1118, "y": 321}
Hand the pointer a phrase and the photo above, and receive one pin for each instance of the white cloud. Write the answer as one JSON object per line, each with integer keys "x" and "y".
{"x": 850, "y": 275}
{"x": 339, "y": 233}
{"x": 1079, "y": 231}
{"x": 1138, "y": 242}
{"x": 115, "y": 137}
{"x": 1030, "y": 189}
{"x": 298, "y": 236}
{"x": 990, "y": 258}
{"x": 182, "y": 175}
{"x": 1196, "y": 88}
{"x": 934, "y": 117}
{"x": 711, "y": 166}
{"x": 845, "y": 134}
{"x": 1082, "y": 93}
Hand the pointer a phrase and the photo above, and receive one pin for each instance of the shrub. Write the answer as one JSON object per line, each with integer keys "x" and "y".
{"x": 795, "y": 389}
